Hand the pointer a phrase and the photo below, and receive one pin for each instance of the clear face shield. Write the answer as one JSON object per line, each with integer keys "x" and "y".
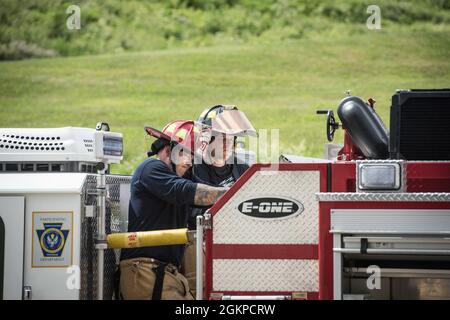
{"x": 215, "y": 144}
{"x": 234, "y": 123}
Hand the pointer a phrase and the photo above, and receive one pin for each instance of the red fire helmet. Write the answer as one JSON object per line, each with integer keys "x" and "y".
{"x": 181, "y": 132}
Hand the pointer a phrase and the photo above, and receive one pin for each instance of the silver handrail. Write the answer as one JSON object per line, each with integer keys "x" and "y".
{"x": 199, "y": 258}
{"x": 101, "y": 228}
{"x": 394, "y": 251}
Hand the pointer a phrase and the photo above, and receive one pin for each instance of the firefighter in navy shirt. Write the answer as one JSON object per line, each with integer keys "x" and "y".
{"x": 219, "y": 127}
{"x": 159, "y": 200}
{"x": 222, "y": 125}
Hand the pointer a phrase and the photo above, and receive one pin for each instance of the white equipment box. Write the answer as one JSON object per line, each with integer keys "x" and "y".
{"x": 49, "y": 236}
{"x": 60, "y": 144}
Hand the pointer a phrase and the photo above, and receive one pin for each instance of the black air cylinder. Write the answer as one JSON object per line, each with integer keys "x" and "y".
{"x": 364, "y": 127}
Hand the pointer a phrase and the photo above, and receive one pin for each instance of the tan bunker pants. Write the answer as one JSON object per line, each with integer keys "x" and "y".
{"x": 137, "y": 281}
{"x": 188, "y": 267}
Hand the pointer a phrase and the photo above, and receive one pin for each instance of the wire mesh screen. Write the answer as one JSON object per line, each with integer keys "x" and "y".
{"x": 89, "y": 233}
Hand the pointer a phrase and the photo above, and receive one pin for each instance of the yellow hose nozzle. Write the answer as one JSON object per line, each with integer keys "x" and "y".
{"x": 148, "y": 238}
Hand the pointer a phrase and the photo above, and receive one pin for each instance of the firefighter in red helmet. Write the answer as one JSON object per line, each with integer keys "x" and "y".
{"x": 159, "y": 199}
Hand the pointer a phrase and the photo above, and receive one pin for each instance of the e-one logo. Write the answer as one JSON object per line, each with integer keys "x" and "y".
{"x": 270, "y": 208}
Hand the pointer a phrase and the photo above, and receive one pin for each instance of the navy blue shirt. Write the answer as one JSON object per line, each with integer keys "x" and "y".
{"x": 159, "y": 200}
{"x": 219, "y": 176}
{"x": 216, "y": 177}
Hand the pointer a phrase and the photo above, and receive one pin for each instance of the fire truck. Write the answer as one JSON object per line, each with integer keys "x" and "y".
{"x": 369, "y": 220}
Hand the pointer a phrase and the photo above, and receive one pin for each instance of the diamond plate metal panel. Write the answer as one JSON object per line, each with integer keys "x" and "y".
{"x": 265, "y": 275}
{"x": 89, "y": 233}
{"x": 348, "y": 196}
{"x": 233, "y": 227}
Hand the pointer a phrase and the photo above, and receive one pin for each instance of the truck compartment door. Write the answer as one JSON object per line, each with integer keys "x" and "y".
{"x": 12, "y": 216}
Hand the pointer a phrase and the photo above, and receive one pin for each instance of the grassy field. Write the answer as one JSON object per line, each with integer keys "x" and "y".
{"x": 278, "y": 84}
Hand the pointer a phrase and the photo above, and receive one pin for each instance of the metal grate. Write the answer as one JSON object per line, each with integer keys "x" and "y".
{"x": 419, "y": 125}
{"x": 425, "y": 131}
{"x": 68, "y": 166}
{"x": 89, "y": 233}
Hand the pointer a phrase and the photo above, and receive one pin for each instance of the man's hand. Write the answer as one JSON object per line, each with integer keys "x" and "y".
{"x": 206, "y": 195}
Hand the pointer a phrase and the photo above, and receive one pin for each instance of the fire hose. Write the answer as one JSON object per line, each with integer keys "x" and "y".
{"x": 149, "y": 238}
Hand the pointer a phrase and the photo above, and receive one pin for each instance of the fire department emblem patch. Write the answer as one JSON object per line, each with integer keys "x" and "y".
{"x": 52, "y": 242}
{"x": 52, "y": 239}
